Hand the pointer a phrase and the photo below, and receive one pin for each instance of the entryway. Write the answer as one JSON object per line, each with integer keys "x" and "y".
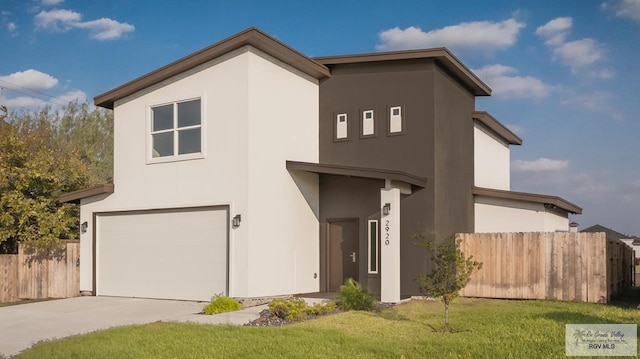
{"x": 343, "y": 252}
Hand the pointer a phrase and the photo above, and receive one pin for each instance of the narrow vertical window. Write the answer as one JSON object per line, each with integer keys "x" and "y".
{"x": 395, "y": 119}
{"x": 341, "y": 126}
{"x": 372, "y": 244}
{"x": 368, "y": 124}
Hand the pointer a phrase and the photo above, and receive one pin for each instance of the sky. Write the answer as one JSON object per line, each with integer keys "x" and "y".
{"x": 565, "y": 74}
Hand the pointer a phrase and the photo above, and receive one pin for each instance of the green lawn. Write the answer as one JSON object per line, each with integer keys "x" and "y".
{"x": 482, "y": 328}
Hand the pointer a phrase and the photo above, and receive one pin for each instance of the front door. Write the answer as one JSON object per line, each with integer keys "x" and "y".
{"x": 343, "y": 252}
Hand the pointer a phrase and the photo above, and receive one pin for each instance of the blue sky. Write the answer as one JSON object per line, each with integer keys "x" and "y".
{"x": 565, "y": 74}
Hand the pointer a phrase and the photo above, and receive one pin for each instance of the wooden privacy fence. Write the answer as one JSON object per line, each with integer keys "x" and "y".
{"x": 38, "y": 274}
{"x": 582, "y": 267}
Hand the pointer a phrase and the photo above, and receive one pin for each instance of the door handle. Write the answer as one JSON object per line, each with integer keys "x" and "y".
{"x": 353, "y": 256}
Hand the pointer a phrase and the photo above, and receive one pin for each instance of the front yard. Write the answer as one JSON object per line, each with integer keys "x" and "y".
{"x": 482, "y": 328}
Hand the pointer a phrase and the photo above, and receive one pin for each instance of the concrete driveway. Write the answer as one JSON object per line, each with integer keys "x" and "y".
{"x": 23, "y": 325}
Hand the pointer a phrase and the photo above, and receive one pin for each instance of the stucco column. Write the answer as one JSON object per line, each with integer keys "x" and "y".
{"x": 390, "y": 243}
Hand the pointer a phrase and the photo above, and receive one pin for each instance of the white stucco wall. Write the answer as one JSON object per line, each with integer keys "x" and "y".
{"x": 501, "y": 215}
{"x": 256, "y": 115}
{"x": 491, "y": 159}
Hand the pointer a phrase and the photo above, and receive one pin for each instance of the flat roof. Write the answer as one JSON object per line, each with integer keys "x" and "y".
{"x": 528, "y": 197}
{"x": 361, "y": 172}
{"x": 441, "y": 55}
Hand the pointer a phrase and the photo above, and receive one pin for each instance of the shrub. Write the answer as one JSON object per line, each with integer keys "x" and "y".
{"x": 322, "y": 308}
{"x": 289, "y": 309}
{"x": 353, "y": 296}
{"x": 221, "y": 304}
{"x": 295, "y": 309}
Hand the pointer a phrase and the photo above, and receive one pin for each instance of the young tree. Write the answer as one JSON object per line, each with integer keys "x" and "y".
{"x": 451, "y": 271}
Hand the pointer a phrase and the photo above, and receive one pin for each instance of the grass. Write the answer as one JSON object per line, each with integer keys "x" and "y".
{"x": 482, "y": 328}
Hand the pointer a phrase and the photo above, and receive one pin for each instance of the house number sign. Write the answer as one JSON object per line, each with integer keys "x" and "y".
{"x": 386, "y": 232}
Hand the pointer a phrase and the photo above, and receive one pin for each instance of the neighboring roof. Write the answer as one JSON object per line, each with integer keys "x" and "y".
{"x": 528, "y": 197}
{"x": 610, "y": 233}
{"x": 76, "y": 196}
{"x": 251, "y": 36}
{"x": 361, "y": 172}
{"x": 494, "y": 125}
{"x": 442, "y": 55}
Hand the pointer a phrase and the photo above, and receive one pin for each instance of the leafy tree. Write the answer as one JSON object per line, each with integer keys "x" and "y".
{"x": 451, "y": 271}
{"x": 42, "y": 155}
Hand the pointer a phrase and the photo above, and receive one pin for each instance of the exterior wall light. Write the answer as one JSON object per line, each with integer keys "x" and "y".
{"x": 236, "y": 221}
{"x": 83, "y": 227}
{"x": 386, "y": 208}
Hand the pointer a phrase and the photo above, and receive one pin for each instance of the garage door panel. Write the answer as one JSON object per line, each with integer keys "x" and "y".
{"x": 169, "y": 254}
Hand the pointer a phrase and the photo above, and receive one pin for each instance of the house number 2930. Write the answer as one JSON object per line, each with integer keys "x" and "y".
{"x": 386, "y": 232}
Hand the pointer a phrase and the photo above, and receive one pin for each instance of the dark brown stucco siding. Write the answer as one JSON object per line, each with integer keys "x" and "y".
{"x": 348, "y": 197}
{"x": 437, "y": 144}
{"x": 454, "y": 159}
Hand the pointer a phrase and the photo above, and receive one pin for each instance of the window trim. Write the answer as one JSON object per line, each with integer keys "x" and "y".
{"x": 402, "y": 120}
{"x": 175, "y": 130}
{"x": 335, "y": 120}
{"x": 375, "y": 261}
{"x": 373, "y": 120}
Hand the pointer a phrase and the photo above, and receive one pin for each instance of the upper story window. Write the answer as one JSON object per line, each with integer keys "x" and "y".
{"x": 368, "y": 123}
{"x": 176, "y": 129}
{"x": 342, "y": 126}
{"x": 395, "y": 120}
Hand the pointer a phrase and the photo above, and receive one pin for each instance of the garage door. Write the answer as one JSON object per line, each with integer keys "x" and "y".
{"x": 175, "y": 254}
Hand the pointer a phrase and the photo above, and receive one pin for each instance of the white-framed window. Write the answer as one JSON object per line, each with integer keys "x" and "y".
{"x": 176, "y": 130}
{"x": 395, "y": 119}
{"x": 342, "y": 125}
{"x": 368, "y": 123}
{"x": 372, "y": 246}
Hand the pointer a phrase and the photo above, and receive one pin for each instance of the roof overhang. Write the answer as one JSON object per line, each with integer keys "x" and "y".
{"x": 528, "y": 197}
{"x": 441, "y": 55}
{"x": 494, "y": 125}
{"x": 361, "y": 172}
{"x": 76, "y": 196}
{"x": 252, "y": 36}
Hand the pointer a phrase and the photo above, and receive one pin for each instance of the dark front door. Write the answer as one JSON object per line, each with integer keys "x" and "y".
{"x": 343, "y": 252}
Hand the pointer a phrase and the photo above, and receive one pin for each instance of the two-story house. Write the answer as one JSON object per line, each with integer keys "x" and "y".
{"x": 249, "y": 169}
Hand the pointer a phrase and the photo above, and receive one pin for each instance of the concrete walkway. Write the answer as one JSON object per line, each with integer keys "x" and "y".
{"x": 23, "y": 325}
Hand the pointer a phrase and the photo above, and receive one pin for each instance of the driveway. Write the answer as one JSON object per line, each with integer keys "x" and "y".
{"x": 23, "y": 325}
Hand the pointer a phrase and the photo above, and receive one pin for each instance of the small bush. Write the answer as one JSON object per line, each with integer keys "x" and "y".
{"x": 221, "y": 304}
{"x": 289, "y": 309}
{"x": 322, "y": 308}
{"x": 295, "y": 309}
{"x": 353, "y": 296}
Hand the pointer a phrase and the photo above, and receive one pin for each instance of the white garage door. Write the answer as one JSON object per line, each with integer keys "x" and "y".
{"x": 177, "y": 254}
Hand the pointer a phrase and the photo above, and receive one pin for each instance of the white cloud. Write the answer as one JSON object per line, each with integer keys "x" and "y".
{"x": 65, "y": 20}
{"x": 624, "y": 8}
{"x": 106, "y": 29}
{"x": 57, "y": 20}
{"x": 75, "y": 95}
{"x": 541, "y": 164}
{"x": 23, "y": 102}
{"x": 30, "y": 79}
{"x": 504, "y": 84}
{"x": 555, "y": 31}
{"x": 578, "y": 54}
{"x": 477, "y": 35}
